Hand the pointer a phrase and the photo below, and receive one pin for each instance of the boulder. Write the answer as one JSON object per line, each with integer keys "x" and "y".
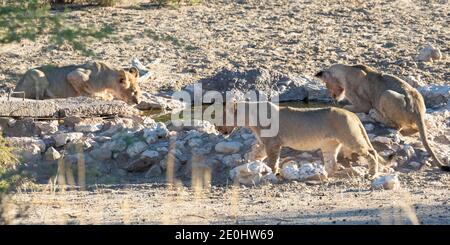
{"x": 428, "y": 53}
{"x": 136, "y": 148}
{"x": 154, "y": 132}
{"x": 63, "y": 138}
{"x": 252, "y": 173}
{"x": 229, "y": 147}
{"x": 387, "y": 182}
{"x": 306, "y": 172}
{"x": 52, "y": 154}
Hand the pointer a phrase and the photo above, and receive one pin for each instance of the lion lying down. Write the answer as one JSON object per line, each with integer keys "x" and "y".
{"x": 93, "y": 79}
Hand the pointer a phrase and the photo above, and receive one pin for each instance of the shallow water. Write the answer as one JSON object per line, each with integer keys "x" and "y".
{"x": 161, "y": 116}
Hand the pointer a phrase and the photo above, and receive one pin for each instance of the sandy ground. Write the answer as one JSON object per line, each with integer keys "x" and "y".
{"x": 422, "y": 199}
{"x": 296, "y": 37}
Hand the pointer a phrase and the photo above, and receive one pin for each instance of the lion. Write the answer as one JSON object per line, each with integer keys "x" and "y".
{"x": 388, "y": 98}
{"x": 93, "y": 79}
{"x": 328, "y": 129}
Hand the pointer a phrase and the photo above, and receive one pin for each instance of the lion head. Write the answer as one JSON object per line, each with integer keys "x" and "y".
{"x": 126, "y": 87}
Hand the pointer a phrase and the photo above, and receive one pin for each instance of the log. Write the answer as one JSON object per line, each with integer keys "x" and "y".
{"x": 59, "y": 108}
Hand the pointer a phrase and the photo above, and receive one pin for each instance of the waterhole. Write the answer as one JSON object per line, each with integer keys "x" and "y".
{"x": 163, "y": 116}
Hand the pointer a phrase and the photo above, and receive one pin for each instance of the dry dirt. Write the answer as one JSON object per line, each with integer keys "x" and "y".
{"x": 296, "y": 37}
{"x": 423, "y": 199}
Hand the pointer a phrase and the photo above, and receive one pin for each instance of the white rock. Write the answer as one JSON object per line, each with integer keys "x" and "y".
{"x": 309, "y": 171}
{"x": 429, "y": 53}
{"x": 383, "y": 140}
{"x": 228, "y": 147}
{"x": 63, "y": 138}
{"x": 409, "y": 151}
{"x": 387, "y": 182}
{"x": 47, "y": 127}
{"x": 198, "y": 125}
{"x": 155, "y": 131}
{"x": 252, "y": 173}
{"x": 88, "y": 128}
{"x": 52, "y": 154}
{"x": 24, "y": 142}
{"x": 386, "y": 153}
{"x": 136, "y": 148}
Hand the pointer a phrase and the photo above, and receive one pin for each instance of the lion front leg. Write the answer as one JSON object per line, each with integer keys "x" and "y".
{"x": 34, "y": 84}
{"x": 273, "y": 156}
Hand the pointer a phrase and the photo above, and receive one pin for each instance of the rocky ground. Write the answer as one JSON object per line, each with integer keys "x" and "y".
{"x": 124, "y": 163}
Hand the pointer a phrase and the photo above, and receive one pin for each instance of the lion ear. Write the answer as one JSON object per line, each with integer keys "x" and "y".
{"x": 134, "y": 71}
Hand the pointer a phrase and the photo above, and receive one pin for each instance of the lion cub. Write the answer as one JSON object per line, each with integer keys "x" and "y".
{"x": 327, "y": 129}
{"x": 94, "y": 79}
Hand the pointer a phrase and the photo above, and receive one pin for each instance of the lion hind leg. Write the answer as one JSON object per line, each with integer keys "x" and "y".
{"x": 33, "y": 84}
{"x": 393, "y": 110}
{"x": 79, "y": 80}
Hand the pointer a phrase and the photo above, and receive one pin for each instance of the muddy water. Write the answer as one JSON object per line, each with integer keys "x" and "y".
{"x": 161, "y": 116}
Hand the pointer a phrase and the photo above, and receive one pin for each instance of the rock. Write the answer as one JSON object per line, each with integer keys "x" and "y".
{"x": 306, "y": 172}
{"x": 154, "y": 132}
{"x": 228, "y": 147}
{"x": 387, "y": 182}
{"x": 102, "y": 139}
{"x": 57, "y": 108}
{"x": 197, "y": 125}
{"x": 154, "y": 171}
{"x": 435, "y": 95}
{"x": 46, "y": 128}
{"x": 407, "y": 151}
{"x": 117, "y": 145}
{"x": 175, "y": 161}
{"x": 101, "y": 154}
{"x": 88, "y": 127}
{"x": 51, "y": 154}
{"x": 306, "y": 155}
{"x": 63, "y": 138}
{"x": 232, "y": 160}
{"x": 365, "y": 117}
{"x": 383, "y": 140}
{"x": 252, "y": 173}
{"x": 136, "y": 148}
{"x": 369, "y": 127}
{"x": 415, "y": 165}
{"x": 429, "y": 54}
{"x": 240, "y": 84}
{"x": 19, "y": 128}
{"x": 195, "y": 142}
{"x": 24, "y": 142}
{"x": 28, "y": 153}
{"x": 414, "y": 81}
